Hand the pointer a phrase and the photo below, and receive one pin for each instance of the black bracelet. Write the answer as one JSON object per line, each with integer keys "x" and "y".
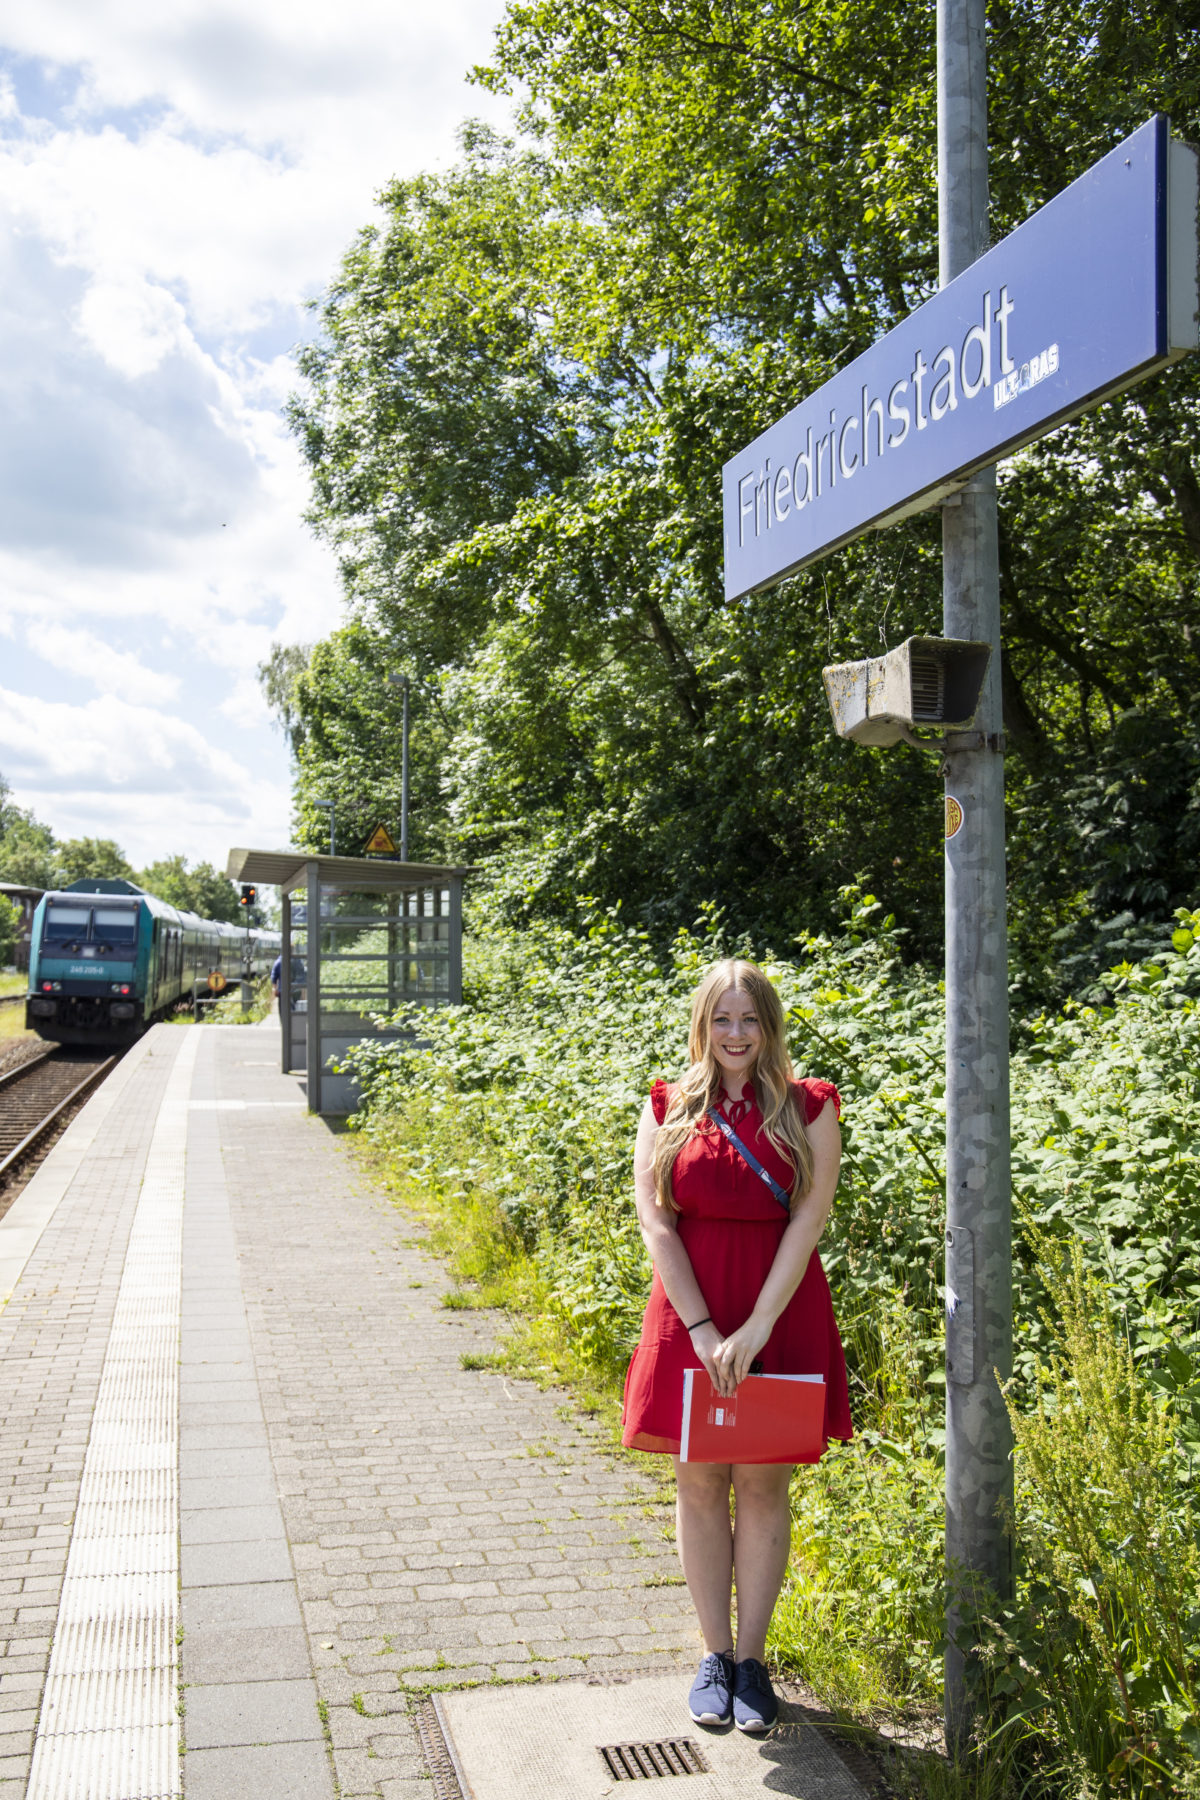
{"x": 706, "y": 1320}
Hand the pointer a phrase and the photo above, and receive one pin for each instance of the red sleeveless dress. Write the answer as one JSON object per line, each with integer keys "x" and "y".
{"x": 730, "y": 1224}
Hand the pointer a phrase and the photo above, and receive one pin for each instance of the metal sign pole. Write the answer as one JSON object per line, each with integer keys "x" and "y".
{"x": 978, "y": 1196}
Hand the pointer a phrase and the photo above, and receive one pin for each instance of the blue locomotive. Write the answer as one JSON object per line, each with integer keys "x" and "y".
{"x": 106, "y": 959}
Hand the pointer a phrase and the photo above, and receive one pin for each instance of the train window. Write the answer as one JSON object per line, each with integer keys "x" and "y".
{"x": 65, "y": 924}
{"x": 115, "y": 925}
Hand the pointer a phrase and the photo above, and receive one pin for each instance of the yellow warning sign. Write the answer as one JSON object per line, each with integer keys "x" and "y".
{"x": 954, "y": 816}
{"x": 380, "y": 843}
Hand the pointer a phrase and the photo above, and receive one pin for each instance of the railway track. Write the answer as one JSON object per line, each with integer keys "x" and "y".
{"x": 38, "y": 1094}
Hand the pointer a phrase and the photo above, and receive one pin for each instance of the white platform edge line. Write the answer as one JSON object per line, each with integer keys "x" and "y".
{"x": 103, "y": 1617}
{"x": 36, "y": 1204}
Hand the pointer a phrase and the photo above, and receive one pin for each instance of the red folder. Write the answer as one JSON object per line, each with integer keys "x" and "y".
{"x": 771, "y": 1419}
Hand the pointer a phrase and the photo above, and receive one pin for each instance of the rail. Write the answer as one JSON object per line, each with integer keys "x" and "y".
{"x": 35, "y": 1096}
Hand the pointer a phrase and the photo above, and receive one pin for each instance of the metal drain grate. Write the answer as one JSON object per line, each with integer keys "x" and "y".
{"x": 642, "y": 1762}
{"x": 435, "y": 1742}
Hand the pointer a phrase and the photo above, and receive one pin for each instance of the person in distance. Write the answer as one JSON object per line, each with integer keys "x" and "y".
{"x": 738, "y": 1285}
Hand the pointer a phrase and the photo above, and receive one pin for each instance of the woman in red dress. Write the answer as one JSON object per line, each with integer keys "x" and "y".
{"x": 737, "y": 1282}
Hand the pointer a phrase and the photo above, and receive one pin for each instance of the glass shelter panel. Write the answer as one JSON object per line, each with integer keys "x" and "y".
{"x": 293, "y": 987}
{"x": 379, "y": 947}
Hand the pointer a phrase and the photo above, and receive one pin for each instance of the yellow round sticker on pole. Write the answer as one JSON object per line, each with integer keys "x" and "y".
{"x": 954, "y": 817}
{"x": 216, "y": 982}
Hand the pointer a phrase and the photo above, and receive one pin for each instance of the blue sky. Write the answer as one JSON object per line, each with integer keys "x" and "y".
{"x": 175, "y": 181}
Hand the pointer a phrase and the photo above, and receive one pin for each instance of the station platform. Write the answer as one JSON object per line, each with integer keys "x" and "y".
{"x": 254, "y": 1511}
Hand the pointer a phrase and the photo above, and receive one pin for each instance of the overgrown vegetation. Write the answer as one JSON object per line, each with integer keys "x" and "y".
{"x": 515, "y": 1125}
{"x": 528, "y": 373}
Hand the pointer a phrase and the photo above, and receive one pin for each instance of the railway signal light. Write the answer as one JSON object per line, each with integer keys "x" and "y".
{"x": 249, "y": 896}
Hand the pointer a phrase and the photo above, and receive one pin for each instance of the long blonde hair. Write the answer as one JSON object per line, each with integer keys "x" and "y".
{"x": 700, "y": 1088}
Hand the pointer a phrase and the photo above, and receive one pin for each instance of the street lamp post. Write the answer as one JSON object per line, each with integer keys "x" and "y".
{"x": 401, "y": 681}
{"x": 328, "y": 806}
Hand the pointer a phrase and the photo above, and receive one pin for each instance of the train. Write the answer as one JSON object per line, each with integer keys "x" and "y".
{"x": 106, "y": 959}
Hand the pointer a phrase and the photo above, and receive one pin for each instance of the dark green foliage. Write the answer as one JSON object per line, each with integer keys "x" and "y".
{"x": 31, "y": 856}
{"x": 529, "y": 374}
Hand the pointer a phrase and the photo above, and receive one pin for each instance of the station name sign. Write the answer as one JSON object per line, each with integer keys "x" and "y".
{"x": 1095, "y": 291}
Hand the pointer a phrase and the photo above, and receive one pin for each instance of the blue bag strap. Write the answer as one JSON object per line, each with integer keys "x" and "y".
{"x": 748, "y": 1157}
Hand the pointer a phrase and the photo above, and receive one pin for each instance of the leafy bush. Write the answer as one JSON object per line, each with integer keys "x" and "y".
{"x": 539, "y": 1081}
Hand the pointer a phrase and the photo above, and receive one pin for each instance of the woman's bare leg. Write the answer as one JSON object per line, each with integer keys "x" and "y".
{"x": 761, "y": 1541}
{"x": 704, "y": 1537}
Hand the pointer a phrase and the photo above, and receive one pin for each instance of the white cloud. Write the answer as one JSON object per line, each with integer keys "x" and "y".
{"x": 133, "y": 324}
{"x": 111, "y": 745}
{"x": 113, "y": 768}
{"x": 174, "y": 182}
{"x": 84, "y": 654}
{"x": 271, "y": 126}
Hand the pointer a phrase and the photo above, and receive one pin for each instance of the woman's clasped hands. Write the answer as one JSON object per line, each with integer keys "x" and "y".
{"x": 728, "y": 1360}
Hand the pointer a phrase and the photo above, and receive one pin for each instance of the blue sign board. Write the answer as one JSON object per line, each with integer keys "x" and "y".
{"x": 1093, "y": 292}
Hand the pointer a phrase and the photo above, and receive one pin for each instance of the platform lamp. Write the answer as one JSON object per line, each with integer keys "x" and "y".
{"x": 401, "y": 681}
{"x": 327, "y": 806}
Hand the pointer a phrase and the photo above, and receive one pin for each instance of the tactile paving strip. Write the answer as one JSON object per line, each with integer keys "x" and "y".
{"x": 109, "y": 1725}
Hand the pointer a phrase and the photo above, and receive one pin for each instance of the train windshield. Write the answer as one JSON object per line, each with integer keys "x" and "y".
{"x": 115, "y": 925}
{"x": 111, "y": 929}
{"x": 66, "y": 924}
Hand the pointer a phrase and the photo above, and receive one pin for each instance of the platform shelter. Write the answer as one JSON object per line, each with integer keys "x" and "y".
{"x": 360, "y": 935}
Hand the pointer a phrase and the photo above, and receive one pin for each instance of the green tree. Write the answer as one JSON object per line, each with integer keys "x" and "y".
{"x": 530, "y": 375}
{"x": 347, "y": 737}
{"x": 200, "y": 889}
{"x": 27, "y": 849}
{"x": 26, "y": 845}
{"x": 91, "y": 859}
{"x": 8, "y": 930}
{"x": 278, "y": 677}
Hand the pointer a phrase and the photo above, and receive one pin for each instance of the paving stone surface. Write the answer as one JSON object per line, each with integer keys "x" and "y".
{"x": 53, "y": 1335}
{"x": 362, "y": 1519}
{"x": 447, "y": 1526}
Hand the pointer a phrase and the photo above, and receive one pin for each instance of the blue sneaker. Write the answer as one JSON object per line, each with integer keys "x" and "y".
{"x": 755, "y": 1707}
{"x": 709, "y": 1702}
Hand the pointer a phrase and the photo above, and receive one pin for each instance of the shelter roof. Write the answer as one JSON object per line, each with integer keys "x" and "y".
{"x": 284, "y": 868}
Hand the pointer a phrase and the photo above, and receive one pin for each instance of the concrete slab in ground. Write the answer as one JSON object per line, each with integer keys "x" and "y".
{"x": 541, "y": 1743}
